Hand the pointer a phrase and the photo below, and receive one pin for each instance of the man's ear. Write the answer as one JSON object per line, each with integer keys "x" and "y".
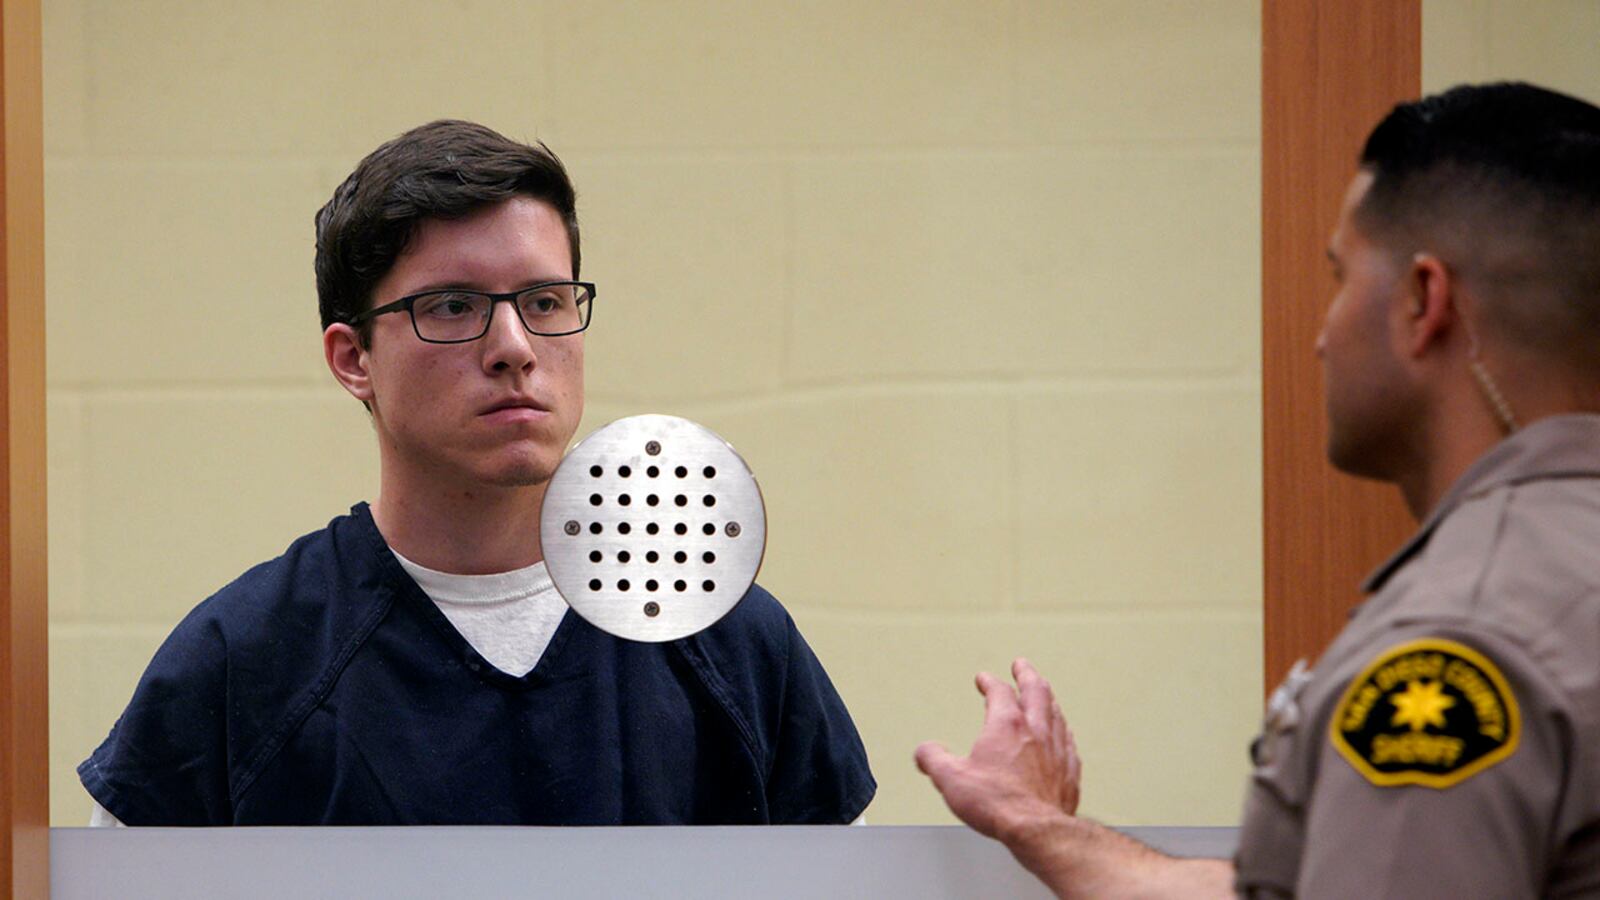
{"x": 1429, "y": 304}
{"x": 347, "y": 360}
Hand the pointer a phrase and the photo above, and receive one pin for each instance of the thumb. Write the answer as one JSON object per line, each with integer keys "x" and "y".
{"x": 933, "y": 759}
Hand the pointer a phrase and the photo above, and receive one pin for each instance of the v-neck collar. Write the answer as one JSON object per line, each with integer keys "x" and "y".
{"x": 395, "y": 577}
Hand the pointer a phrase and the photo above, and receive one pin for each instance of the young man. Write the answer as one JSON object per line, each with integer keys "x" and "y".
{"x": 1448, "y": 742}
{"x": 411, "y": 663}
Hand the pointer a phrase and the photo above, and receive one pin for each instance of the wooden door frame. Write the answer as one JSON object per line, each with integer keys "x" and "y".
{"x": 24, "y": 672}
{"x": 1329, "y": 72}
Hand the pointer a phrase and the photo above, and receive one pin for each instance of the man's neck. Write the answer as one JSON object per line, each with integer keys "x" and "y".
{"x": 463, "y": 530}
{"x": 1461, "y": 431}
{"x": 1466, "y": 426}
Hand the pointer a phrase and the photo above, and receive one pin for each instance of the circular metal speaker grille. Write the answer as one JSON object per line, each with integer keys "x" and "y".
{"x": 653, "y": 528}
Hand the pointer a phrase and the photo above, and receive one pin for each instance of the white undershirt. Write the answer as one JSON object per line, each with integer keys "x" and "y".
{"x": 507, "y": 617}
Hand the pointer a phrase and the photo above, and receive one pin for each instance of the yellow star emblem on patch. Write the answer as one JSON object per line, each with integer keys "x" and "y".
{"x": 1423, "y": 704}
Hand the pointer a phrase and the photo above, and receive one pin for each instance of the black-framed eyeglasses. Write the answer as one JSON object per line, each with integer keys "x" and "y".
{"x": 456, "y": 316}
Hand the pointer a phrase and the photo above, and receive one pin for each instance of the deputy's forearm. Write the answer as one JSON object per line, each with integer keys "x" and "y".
{"x": 1079, "y": 858}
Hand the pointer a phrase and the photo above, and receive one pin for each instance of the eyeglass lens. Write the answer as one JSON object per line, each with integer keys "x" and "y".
{"x": 464, "y": 315}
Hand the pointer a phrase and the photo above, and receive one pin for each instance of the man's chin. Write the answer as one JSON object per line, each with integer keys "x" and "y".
{"x": 515, "y": 476}
{"x": 1358, "y": 462}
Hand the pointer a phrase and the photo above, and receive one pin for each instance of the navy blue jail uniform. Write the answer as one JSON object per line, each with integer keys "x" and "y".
{"x": 324, "y": 687}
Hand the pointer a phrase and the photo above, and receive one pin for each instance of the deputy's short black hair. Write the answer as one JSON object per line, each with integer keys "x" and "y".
{"x": 1507, "y": 176}
{"x": 445, "y": 170}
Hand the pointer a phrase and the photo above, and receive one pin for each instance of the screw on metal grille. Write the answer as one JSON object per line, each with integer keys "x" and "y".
{"x": 732, "y": 529}
{"x": 652, "y": 609}
{"x": 653, "y": 448}
{"x": 572, "y": 527}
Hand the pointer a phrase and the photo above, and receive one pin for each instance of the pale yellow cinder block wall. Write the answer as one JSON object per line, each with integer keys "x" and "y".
{"x": 1554, "y": 43}
{"x": 973, "y": 284}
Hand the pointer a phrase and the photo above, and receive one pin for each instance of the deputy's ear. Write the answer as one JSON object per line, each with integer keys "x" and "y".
{"x": 1428, "y": 304}
{"x": 347, "y": 360}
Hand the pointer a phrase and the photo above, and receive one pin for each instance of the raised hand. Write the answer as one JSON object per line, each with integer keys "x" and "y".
{"x": 1023, "y": 768}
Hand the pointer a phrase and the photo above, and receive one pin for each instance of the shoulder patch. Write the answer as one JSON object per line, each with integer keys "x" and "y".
{"x": 1430, "y": 712}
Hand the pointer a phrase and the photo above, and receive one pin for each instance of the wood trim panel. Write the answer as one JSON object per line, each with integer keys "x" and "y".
{"x": 24, "y": 716}
{"x": 1329, "y": 72}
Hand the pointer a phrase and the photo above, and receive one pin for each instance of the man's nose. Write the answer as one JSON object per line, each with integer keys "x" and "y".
{"x": 506, "y": 344}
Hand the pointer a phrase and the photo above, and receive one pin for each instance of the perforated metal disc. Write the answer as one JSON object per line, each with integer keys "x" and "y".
{"x": 653, "y": 528}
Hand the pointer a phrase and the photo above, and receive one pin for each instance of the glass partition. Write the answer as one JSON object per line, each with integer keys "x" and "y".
{"x": 973, "y": 286}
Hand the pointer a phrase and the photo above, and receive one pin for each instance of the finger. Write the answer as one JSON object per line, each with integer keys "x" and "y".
{"x": 933, "y": 759}
{"x": 1037, "y": 698}
{"x": 999, "y": 700}
{"x": 1071, "y": 791}
{"x": 1058, "y": 731}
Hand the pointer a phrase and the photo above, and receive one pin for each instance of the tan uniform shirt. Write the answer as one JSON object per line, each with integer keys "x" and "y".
{"x": 1448, "y": 743}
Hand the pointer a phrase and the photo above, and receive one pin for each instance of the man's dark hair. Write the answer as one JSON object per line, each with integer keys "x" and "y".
{"x": 1502, "y": 181}
{"x": 442, "y": 170}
